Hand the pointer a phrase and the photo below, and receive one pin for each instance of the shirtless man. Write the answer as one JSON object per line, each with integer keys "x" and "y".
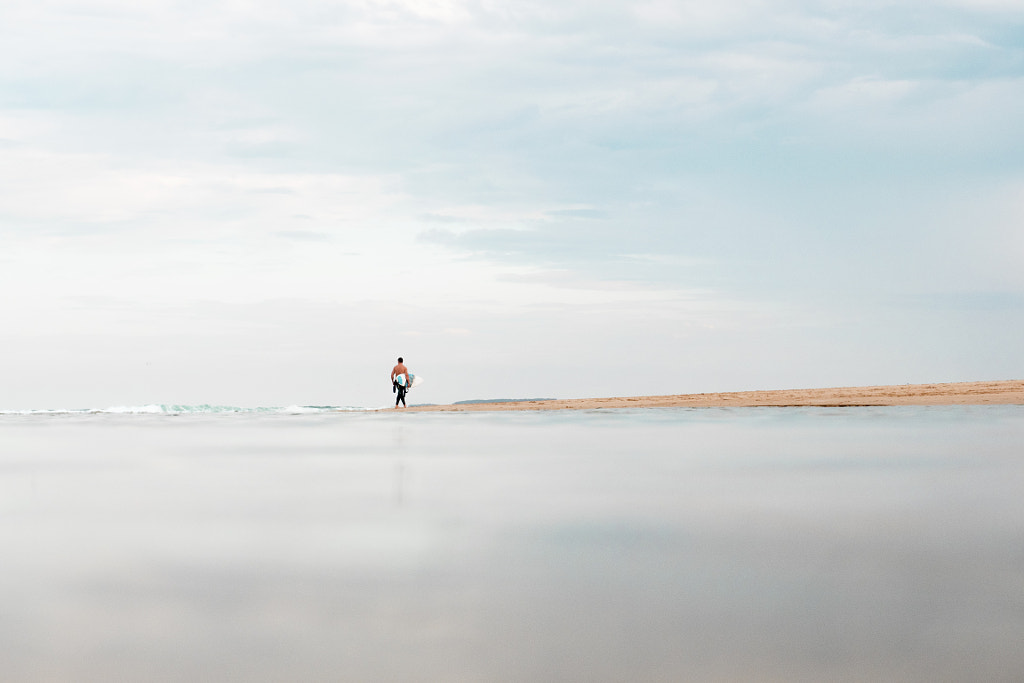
{"x": 400, "y": 369}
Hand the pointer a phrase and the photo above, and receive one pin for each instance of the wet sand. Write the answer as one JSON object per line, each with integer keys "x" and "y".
{"x": 956, "y": 393}
{"x": 800, "y": 544}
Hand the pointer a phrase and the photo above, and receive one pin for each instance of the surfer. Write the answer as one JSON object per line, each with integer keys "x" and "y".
{"x": 396, "y": 387}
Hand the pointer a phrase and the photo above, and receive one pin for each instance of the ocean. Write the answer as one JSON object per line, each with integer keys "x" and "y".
{"x": 177, "y": 543}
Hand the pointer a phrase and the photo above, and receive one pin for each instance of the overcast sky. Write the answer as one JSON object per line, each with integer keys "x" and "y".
{"x": 265, "y": 202}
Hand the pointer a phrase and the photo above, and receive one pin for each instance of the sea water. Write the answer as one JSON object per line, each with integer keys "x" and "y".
{"x": 786, "y": 544}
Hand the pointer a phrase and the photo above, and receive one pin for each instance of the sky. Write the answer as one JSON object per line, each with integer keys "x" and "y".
{"x": 262, "y": 203}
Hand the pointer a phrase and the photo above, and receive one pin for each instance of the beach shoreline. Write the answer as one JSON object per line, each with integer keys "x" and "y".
{"x": 1005, "y": 392}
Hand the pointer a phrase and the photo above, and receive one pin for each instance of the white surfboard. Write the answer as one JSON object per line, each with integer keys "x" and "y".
{"x": 414, "y": 380}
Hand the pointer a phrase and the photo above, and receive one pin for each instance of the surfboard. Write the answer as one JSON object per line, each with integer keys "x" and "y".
{"x": 414, "y": 380}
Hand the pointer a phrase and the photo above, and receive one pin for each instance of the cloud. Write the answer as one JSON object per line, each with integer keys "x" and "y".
{"x": 304, "y": 236}
{"x": 87, "y": 192}
{"x": 472, "y": 158}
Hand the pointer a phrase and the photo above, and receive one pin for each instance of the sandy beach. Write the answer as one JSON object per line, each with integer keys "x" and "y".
{"x": 955, "y": 393}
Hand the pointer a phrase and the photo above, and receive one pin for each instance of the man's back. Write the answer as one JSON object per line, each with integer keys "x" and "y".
{"x": 400, "y": 387}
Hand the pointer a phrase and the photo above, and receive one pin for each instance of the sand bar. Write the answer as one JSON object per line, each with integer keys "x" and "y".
{"x": 957, "y": 393}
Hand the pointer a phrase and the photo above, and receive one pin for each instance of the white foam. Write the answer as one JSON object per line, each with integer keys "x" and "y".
{"x": 134, "y": 410}
{"x": 173, "y": 409}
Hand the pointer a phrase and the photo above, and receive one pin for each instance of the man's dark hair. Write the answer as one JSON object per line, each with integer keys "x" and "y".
{"x": 400, "y": 360}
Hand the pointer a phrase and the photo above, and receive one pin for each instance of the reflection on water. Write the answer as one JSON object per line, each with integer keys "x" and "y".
{"x": 753, "y": 544}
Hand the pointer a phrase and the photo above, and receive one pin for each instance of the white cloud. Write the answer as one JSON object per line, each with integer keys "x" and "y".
{"x": 88, "y": 192}
{"x": 865, "y": 91}
{"x": 988, "y": 5}
{"x": 959, "y": 116}
{"x": 612, "y": 171}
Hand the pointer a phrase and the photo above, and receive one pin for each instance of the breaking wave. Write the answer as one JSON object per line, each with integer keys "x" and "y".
{"x": 174, "y": 409}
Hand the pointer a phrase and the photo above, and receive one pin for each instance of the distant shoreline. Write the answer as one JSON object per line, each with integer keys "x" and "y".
{"x": 1007, "y": 392}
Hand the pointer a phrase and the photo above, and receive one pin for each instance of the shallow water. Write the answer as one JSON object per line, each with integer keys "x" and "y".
{"x": 856, "y": 544}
